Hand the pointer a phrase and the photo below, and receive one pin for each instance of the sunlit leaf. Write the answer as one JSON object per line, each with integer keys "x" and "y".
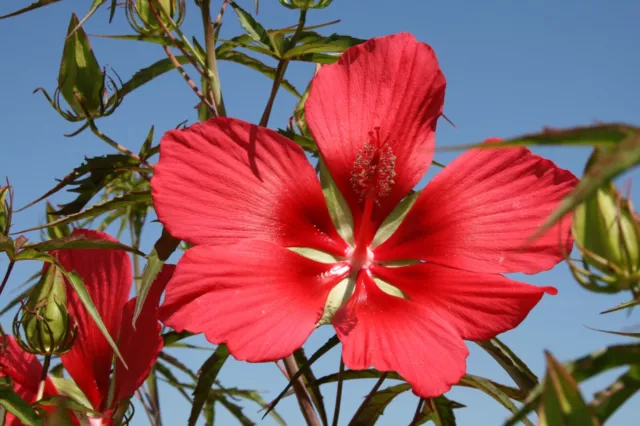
{"x": 69, "y": 388}
{"x": 18, "y": 407}
{"x": 32, "y": 6}
{"x": 607, "y": 401}
{"x": 514, "y": 366}
{"x": 79, "y": 242}
{"x": 253, "y": 28}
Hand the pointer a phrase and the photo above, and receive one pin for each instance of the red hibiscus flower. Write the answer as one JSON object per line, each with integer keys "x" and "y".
{"x": 269, "y": 265}
{"x": 108, "y": 279}
{"x": 24, "y": 370}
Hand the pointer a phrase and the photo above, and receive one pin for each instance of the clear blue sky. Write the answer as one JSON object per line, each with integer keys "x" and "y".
{"x": 512, "y": 68}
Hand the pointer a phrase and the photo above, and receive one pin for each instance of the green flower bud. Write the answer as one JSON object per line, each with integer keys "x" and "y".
{"x": 305, "y": 4}
{"x": 143, "y": 19}
{"x": 44, "y": 326}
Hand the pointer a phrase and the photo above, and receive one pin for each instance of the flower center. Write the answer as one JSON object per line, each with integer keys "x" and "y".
{"x": 360, "y": 258}
{"x": 374, "y": 169}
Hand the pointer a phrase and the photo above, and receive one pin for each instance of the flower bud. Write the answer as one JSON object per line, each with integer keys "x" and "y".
{"x": 142, "y": 16}
{"x": 4, "y": 210}
{"x": 305, "y": 4}
{"x": 607, "y": 233}
{"x": 44, "y": 326}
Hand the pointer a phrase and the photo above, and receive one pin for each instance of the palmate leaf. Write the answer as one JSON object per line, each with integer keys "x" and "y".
{"x": 585, "y": 368}
{"x": 514, "y": 366}
{"x": 208, "y": 373}
{"x": 33, "y": 6}
{"x": 88, "y": 179}
{"x": 143, "y": 197}
{"x": 561, "y": 403}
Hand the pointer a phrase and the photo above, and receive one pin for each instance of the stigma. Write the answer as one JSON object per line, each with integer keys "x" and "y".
{"x": 374, "y": 169}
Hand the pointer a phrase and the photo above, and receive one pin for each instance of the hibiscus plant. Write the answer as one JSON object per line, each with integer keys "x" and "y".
{"x": 269, "y": 234}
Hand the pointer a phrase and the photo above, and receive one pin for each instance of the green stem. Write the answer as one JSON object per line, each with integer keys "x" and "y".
{"x": 280, "y": 71}
{"x": 213, "y": 78}
{"x": 301, "y": 394}
{"x": 336, "y": 411}
{"x": 6, "y": 275}
{"x": 416, "y": 416}
{"x": 43, "y": 377}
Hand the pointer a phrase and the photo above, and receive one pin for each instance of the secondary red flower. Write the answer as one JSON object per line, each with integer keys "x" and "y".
{"x": 108, "y": 278}
{"x": 25, "y": 371}
{"x": 269, "y": 265}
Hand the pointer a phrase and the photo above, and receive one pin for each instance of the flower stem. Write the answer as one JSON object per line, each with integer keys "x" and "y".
{"x": 43, "y": 377}
{"x": 280, "y": 71}
{"x": 336, "y": 411}
{"x": 6, "y": 275}
{"x": 213, "y": 78}
{"x": 301, "y": 394}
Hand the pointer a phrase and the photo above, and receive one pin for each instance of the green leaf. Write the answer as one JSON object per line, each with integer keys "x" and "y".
{"x": 618, "y": 333}
{"x": 440, "y": 411}
{"x": 373, "y": 408}
{"x": 251, "y": 26}
{"x": 18, "y": 407}
{"x": 69, "y": 388}
{"x": 162, "y": 249}
{"x": 80, "y": 242}
{"x": 7, "y": 246}
{"x": 172, "y": 380}
{"x": 607, "y": 401}
{"x": 100, "y": 171}
{"x": 309, "y": 380}
{"x": 254, "y": 396}
{"x": 35, "y": 5}
{"x": 306, "y": 143}
{"x": 147, "y": 74}
{"x": 236, "y": 411}
{"x": 562, "y": 404}
{"x": 172, "y": 337}
{"x": 514, "y": 366}
{"x": 16, "y": 300}
{"x": 208, "y": 373}
{"x": 610, "y": 134}
{"x": 625, "y": 305}
{"x": 97, "y": 209}
{"x": 338, "y": 208}
{"x": 254, "y": 64}
{"x": 92, "y": 9}
{"x": 395, "y": 218}
{"x": 335, "y": 43}
{"x": 329, "y": 344}
{"x": 494, "y": 392}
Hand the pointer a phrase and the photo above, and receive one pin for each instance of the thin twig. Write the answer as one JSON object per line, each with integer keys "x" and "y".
{"x": 301, "y": 394}
{"x": 416, "y": 416}
{"x": 336, "y": 411}
{"x": 6, "y": 275}
{"x": 43, "y": 377}
{"x": 144, "y": 405}
{"x": 190, "y": 82}
{"x": 280, "y": 71}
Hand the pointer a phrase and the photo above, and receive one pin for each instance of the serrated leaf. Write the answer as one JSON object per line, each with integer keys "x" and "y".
{"x": 514, "y": 366}
{"x": 12, "y": 402}
{"x": 100, "y": 170}
{"x": 253, "y": 28}
{"x": 147, "y": 74}
{"x": 162, "y": 249}
{"x": 79, "y": 242}
{"x": 335, "y": 43}
{"x": 562, "y": 404}
{"x": 208, "y": 373}
{"x": 440, "y": 411}
{"x": 255, "y": 64}
{"x": 373, "y": 408}
{"x": 338, "y": 208}
{"x": 32, "y": 6}
{"x": 97, "y": 209}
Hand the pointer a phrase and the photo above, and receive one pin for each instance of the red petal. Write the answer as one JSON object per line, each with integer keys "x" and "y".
{"x": 140, "y": 346}
{"x": 226, "y": 180}
{"x": 107, "y": 276}
{"x": 260, "y": 299}
{"x": 391, "y": 82}
{"x": 394, "y": 334}
{"x": 24, "y": 369}
{"x": 480, "y": 210}
{"x": 479, "y": 306}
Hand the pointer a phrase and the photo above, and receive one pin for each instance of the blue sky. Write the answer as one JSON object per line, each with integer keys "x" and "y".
{"x": 512, "y": 68}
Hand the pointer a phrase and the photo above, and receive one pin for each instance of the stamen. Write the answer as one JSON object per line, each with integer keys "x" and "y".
{"x": 374, "y": 169}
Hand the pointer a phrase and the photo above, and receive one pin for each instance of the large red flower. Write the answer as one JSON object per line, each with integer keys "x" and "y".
{"x": 269, "y": 265}
{"x": 108, "y": 278}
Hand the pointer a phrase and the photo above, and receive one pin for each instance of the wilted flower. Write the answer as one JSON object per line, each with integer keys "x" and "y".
{"x": 403, "y": 278}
